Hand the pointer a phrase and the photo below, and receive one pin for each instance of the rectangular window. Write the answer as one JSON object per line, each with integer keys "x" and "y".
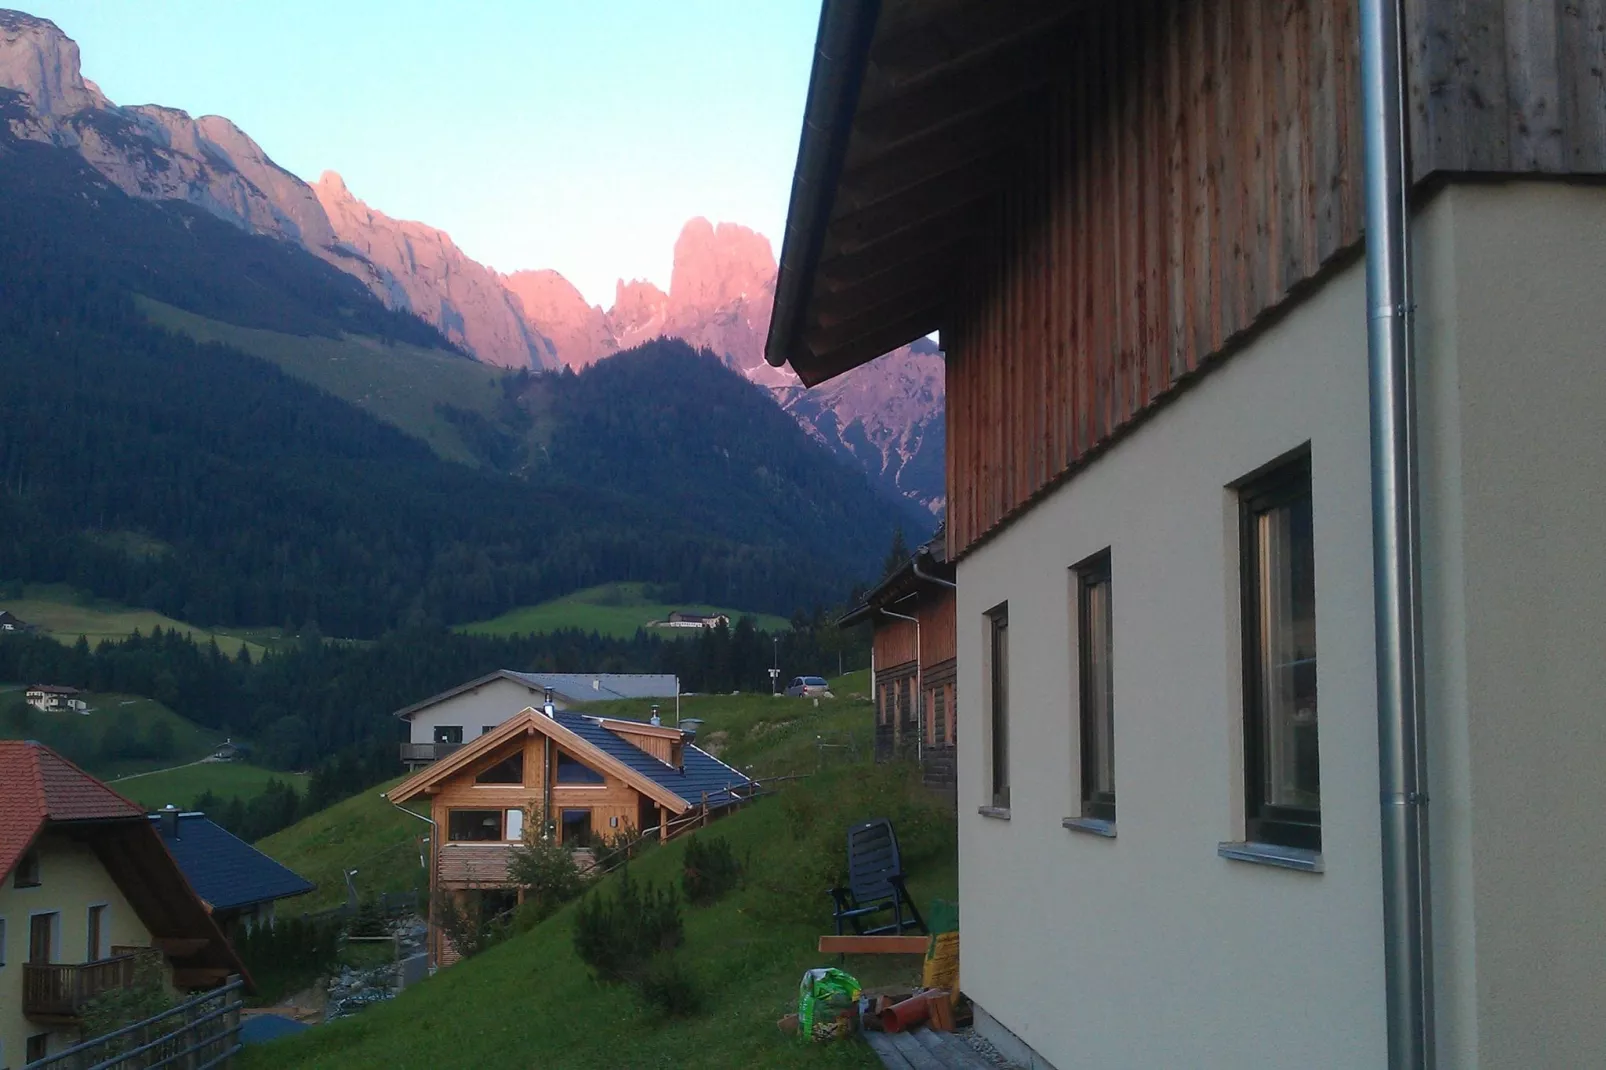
{"x": 27, "y": 874}
{"x": 448, "y": 733}
{"x": 576, "y": 828}
{"x": 38, "y": 1047}
{"x": 1094, "y": 648}
{"x": 515, "y": 825}
{"x": 469, "y": 826}
{"x": 1283, "y": 776}
{"x": 95, "y": 947}
{"x": 42, "y": 939}
{"x": 939, "y": 715}
{"x": 998, "y": 628}
{"x": 2, "y": 941}
{"x": 485, "y": 729}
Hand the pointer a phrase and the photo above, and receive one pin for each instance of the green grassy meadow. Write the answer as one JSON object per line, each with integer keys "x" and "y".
{"x": 79, "y": 735}
{"x": 530, "y": 1001}
{"x": 398, "y": 383}
{"x": 224, "y": 779}
{"x": 64, "y": 615}
{"x": 615, "y": 609}
{"x": 364, "y": 833}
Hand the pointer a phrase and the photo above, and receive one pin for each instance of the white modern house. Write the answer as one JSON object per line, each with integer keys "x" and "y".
{"x": 1276, "y": 381}
{"x": 440, "y": 724}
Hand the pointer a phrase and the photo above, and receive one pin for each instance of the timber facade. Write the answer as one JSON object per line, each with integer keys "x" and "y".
{"x": 1138, "y": 228}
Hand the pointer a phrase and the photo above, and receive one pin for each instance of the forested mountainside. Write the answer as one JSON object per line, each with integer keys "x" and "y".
{"x": 197, "y": 480}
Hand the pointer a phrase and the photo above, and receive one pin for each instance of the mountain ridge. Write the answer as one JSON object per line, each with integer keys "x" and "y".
{"x": 719, "y": 296}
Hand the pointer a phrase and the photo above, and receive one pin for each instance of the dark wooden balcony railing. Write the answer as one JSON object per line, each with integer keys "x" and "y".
{"x": 59, "y": 991}
{"x": 424, "y": 753}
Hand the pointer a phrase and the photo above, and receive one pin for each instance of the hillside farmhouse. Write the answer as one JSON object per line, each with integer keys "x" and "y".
{"x": 1270, "y": 539}
{"x": 913, "y": 667}
{"x": 598, "y": 779}
{"x": 54, "y": 698}
{"x": 440, "y": 724}
{"x": 10, "y": 622}
{"x": 87, "y": 893}
{"x": 690, "y": 618}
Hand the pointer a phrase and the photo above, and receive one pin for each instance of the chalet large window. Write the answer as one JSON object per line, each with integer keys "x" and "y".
{"x": 1096, "y": 699}
{"x": 449, "y": 733}
{"x": 509, "y": 770}
{"x": 468, "y": 826}
{"x": 573, "y": 771}
{"x": 998, "y": 700}
{"x": 576, "y": 828}
{"x": 1283, "y": 776}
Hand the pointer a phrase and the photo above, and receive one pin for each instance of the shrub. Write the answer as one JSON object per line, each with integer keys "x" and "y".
{"x": 668, "y": 986}
{"x": 709, "y": 870}
{"x": 618, "y": 936}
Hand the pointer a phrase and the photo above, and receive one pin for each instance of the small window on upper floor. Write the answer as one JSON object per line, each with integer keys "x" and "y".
{"x": 1096, "y": 698}
{"x": 509, "y": 770}
{"x": 448, "y": 733}
{"x": 1283, "y": 796}
{"x": 998, "y": 700}
{"x": 27, "y": 872}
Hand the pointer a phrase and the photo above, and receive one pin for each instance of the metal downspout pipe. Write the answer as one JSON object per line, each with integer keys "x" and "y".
{"x": 1396, "y": 545}
{"x": 434, "y": 860}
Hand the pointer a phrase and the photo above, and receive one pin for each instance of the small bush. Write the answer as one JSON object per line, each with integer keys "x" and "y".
{"x": 618, "y": 936}
{"x": 668, "y": 986}
{"x": 710, "y": 869}
{"x": 546, "y": 870}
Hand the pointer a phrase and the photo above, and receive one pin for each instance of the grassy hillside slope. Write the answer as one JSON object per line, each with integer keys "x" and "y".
{"x": 364, "y": 833}
{"x": 181, "y": 786}
{"x": 64, "y": 615}
{"x": 82, "y": 736}
{"x": 399, "y": 383}
{"x": 531, "y": 1002}
{"x": 614, "y": 609}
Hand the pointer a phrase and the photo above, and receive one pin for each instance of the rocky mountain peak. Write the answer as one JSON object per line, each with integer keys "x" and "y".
{"x": 718, "y": 266}
{"x": 640, "y": 313}
{"x": 579, "y": 333}
{"x": 41, "y": 61}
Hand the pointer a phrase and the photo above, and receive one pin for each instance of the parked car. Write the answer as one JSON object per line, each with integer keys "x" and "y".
{"x": 808, "y": 687}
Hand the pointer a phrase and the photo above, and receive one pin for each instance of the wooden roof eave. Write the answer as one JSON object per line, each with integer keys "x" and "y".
{"x": 943, "y": 93}
{"x": 432, "y": 775}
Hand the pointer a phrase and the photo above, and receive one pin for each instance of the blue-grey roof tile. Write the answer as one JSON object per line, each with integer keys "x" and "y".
{"x": 223, "y": 869}
{"x": 702, "y": 773}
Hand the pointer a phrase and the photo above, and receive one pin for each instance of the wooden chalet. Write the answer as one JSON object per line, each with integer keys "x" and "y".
{"x": 914, "y": 667}
{"x": 1273, "y": 328}
{"x": 598, "y": 779}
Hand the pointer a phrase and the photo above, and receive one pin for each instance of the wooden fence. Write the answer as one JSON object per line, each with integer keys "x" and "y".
{"x": 200, "y": 1033}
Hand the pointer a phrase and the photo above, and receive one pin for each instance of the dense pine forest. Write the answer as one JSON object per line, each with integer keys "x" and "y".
{"x": 204, "y": 483}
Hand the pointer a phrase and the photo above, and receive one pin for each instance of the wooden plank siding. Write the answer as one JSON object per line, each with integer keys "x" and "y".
{"x": 894, "y": 639}
{"x": 1198, "y": 163}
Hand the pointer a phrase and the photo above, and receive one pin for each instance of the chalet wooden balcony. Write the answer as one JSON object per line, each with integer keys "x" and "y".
{"x": 58, "y": 992}
{"x": 424, "y": 753}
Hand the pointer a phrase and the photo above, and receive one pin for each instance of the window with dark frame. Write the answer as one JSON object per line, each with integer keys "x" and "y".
{"x": 1278, "y": 577}
{"x": 509, "y": 770}
{"x": 1096, "y": 687}
{"x": 939, "y": 715}
{"x": 27, "y": 874}
{"x": 472, "y": 826}
{"x": 95, "y": 931}
{"x": 448, "y": 733}
{"x": 37, "y": 1047}
{"x": 576, "y": 828}
{"x": 998, "y": 628}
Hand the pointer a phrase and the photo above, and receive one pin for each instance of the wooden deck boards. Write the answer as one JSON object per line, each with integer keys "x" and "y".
{"x": 925, "y": 1049}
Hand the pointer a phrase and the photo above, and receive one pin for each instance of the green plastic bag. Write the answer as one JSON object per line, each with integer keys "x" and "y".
{"x": 822, "y": 998}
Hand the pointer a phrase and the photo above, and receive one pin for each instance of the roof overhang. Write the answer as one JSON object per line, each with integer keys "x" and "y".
{"x": 914, "y": 115}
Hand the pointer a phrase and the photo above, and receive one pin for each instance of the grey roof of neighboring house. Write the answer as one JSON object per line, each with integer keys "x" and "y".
{"x": 569, "y": 686}
{"x": 223, "y": 869}
{"x": 702, "y": 771}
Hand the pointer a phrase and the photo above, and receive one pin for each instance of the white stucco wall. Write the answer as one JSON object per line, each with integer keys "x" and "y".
{"x": 1149, "y": 950}
{"x": 71, "y": 881}
{"x": 1513, "y": 361}
{"x": 487, "y": 705}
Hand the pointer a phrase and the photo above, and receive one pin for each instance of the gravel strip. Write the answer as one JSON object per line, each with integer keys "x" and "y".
{"x": 981, "y": 1046}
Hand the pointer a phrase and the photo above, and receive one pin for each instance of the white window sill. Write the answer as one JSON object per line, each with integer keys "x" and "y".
{"x": 1092, "y": 826}
{"x": 997, "y": 813}
{"x": 1270, "y": 854}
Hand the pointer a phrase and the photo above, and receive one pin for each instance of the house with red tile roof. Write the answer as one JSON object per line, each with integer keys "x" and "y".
{"x": 88, "y": 894}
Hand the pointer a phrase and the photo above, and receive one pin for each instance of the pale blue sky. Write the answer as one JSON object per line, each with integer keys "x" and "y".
{"x": 572, "y": 134}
